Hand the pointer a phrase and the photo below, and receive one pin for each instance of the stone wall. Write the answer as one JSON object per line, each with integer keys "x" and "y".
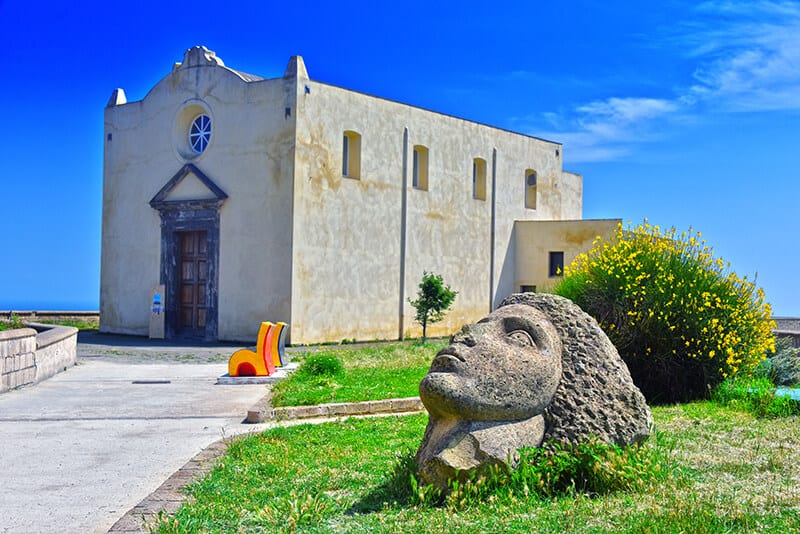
{"x": 787, "y": 324}
{"x": 30, "y": 355}
{"x": 788, "y": 327}
{"x": 17, "y": 358}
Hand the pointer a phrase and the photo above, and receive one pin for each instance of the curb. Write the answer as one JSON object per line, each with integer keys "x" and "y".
{"x": 261, "y": 413}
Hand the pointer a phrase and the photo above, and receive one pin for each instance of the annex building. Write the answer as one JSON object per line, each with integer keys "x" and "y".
{"x": 288, "y": 199}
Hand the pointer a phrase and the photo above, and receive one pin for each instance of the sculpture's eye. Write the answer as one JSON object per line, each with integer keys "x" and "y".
{"x": 521, "y": 337}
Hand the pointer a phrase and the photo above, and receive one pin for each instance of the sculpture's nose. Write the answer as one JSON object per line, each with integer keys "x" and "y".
{"x": 466, "y": 336}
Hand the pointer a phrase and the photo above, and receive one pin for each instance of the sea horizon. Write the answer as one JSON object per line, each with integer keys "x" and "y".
{"x": 49, "y": 305}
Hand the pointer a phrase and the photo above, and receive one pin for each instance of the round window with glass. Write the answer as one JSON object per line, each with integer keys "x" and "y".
{"x": 200, "y": 133}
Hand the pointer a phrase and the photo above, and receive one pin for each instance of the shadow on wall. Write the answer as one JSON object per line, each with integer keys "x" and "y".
{"x": 507, "y": 279}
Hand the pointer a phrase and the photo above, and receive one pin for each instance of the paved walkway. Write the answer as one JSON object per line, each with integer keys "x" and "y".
{"x": 79, "y": 450}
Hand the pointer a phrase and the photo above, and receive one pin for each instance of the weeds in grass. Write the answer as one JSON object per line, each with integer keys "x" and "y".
{"x": 556, "y": 470}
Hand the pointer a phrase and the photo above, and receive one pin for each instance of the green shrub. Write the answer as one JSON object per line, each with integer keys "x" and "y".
{"x": 587, "y": 468}
{"x": 784, "y": 366}
{"x": 755, "y": 395}
{"x": 322, "y": 364}
{"x": 679, "y": 318}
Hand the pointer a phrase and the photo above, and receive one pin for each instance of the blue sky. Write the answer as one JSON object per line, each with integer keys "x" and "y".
{"x": 685, "y": 113}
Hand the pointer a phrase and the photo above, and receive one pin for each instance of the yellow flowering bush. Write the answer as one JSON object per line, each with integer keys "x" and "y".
{"x": 681, "y": 320}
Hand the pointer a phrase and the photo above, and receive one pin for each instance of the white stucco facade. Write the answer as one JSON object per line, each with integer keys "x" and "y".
{"x": 298, "y": 228}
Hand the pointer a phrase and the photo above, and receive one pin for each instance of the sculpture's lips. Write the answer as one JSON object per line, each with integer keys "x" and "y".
{"x": 447, "y": 360}
{"x": 450, "y": 351}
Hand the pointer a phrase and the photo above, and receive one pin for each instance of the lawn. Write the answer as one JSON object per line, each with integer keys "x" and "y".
{"x": 372, "y": 372}
{"x": 723, "y": 470}
{"x": 712, "y": 468}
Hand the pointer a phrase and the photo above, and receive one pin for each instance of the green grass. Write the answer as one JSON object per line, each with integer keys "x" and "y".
{"x": 381, "y": 371}
{"x": 712, "y": 466}
{"x": 722, "y": 470}
{"x": 755, "y": 395}
{"x": 80, "y": 324}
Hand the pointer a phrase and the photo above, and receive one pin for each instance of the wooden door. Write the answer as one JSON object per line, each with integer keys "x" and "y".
{"x": 193, "y": 280}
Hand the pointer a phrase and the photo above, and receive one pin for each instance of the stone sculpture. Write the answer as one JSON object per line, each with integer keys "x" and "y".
{"x": 537, "y": 369}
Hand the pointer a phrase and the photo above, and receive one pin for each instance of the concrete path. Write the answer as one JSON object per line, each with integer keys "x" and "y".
{"x": 79, "y": 450}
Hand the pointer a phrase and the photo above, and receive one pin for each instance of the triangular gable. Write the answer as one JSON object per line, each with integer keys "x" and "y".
{"x": 199, "y": 191}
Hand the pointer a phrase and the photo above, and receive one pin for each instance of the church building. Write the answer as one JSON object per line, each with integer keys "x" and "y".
{"x": 287, "y": 199}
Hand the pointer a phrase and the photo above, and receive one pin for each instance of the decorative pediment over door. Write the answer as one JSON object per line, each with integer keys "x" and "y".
{"x": 189, "y": 188}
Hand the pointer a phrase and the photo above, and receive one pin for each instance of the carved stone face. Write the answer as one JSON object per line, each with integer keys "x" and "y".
{"x": 504, "y": 368}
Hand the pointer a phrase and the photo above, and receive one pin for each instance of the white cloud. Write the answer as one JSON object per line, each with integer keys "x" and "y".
{"x": 605, "y": 129}
{"x": 628, "y": 110}
{"x": 751, "y": 61}
{"x": 746, "y": 56}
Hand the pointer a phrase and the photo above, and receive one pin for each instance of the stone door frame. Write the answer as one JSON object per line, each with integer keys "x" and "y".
{"x": 189, "y": 216}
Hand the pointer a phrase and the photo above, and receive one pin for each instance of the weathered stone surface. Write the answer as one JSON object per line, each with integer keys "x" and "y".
{"x": 536, "y": 369}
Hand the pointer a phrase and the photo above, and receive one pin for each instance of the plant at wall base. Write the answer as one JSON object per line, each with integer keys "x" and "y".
{"x": 433, "y": 300}
{"x": 13, "y": 322}
{"x": 681, "y": 320}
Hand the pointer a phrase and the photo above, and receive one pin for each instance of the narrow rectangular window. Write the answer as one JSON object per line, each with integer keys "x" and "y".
{"x": 527, "y": 289}
{"x": 479, "y": 179}
{"x": 351, "y": 155}
{"x": 415, "y": 175}
{"x": 345, "y": 154}
{"x": 419, "y": 177}
{"x": 530, "y": 189}
{"x": 556, "y": 267}
{"x": 474, "y": 179}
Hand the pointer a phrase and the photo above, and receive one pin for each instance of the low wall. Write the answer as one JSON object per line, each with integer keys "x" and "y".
{"x": 30, "y": 355}
{"x": 787, "y": 324}
{"x": 788, "y": 327}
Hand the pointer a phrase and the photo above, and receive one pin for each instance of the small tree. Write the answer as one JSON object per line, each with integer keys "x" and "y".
{"x": 433, "y": 300}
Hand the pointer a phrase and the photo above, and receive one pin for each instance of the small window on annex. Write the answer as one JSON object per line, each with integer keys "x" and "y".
{"x": 479, "y": 179}
{"x": 556, "y": 266}
{"x": 419, "y": 169}
{"x": 530, "y": 189}
{"x": 527, "y": 289}
{"x": 351, "y": 155}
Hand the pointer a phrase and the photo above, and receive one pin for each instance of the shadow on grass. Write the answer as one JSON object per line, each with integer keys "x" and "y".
{"x": 396, "y": 491}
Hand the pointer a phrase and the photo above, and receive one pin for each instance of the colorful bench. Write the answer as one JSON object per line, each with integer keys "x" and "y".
{"x": 270, "y": 353}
